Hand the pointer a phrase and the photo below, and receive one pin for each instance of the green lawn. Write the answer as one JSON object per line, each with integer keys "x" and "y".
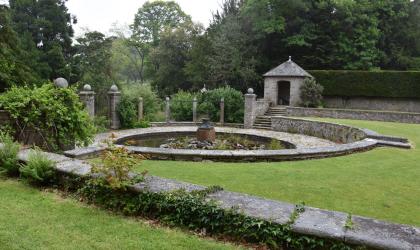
{"x": 30, "y": 219}
{"x": 383, "y": 183}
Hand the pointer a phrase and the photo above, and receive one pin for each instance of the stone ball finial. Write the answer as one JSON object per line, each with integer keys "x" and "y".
{"x": 61, "y": 82}
{"x": 87, "y": 87}
{"x": 113, "y": 88}
{"x": 290, "y": 58}
{"x": 250, "y": 91}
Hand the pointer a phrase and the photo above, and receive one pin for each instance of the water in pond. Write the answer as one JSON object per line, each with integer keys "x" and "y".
{"x": 223, "y": 142}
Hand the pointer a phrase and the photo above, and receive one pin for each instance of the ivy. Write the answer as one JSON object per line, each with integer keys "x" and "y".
{"x": 54, "y": 115}
{"x": 193, "y": 211}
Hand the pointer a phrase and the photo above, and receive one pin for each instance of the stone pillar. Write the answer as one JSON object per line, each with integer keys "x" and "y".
{"x": 249, "y": 111}
{"x": 140, "y": 114}
{"x": 114, "y": 98}
{"x": 87, "y": 96}
{"x": 222, "y": 111}
{"x": 195, "y": 109}
{"x": 168, "y": 110}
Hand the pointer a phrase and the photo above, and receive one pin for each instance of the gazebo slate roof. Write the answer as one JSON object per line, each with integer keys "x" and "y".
{"x": 288, "y": 68}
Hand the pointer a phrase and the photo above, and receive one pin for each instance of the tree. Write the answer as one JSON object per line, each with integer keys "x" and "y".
{"x": 49, "y": 25}
{"x": 171, "y": 55}
{"x": 233, "y": 59}
{"x": 94, "y": 57}
{"x": 13, "y": 69}
{"x": 154, "y": 17}
{"x": 149, "y": 22}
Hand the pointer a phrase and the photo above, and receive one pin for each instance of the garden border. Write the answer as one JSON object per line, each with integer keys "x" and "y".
{"x": 312, "y": 221}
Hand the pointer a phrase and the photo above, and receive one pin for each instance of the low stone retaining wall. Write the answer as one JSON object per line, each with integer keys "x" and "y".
{"x": 330, "y": 131}
{"x": 386, "y": 116}
{"x": 312, "y": 221}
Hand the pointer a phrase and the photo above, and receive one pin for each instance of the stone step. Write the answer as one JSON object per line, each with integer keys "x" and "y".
{"x": 261, "y": 127}
{"x": 263, "y": 119}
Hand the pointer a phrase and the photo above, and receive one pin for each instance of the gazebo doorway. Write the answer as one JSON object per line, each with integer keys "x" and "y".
{"x": 283, "y": 93}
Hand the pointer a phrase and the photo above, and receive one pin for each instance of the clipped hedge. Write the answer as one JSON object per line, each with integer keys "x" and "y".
{"x": 396, "y": 84}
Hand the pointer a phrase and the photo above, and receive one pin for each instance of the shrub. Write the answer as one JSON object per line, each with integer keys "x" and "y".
{"x": 8, "y": 155}
{"x": 311, "y": 93}
{"x": 39, "y": 169}
{"x": 101, "y": 124}
{"x": 151, "y": 102}
{"x": 127, "y": 111}
{"x": 396, "y": 84}
{"x": 116, "y": 165}
{"x": 55, "y": 115}
{"x": 209, "y": 104}
{"x": 182, "y": 105}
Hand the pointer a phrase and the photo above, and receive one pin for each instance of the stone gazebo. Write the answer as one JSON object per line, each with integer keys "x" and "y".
{"x": 282, "y": 84}
{"x": 281, "y": 88}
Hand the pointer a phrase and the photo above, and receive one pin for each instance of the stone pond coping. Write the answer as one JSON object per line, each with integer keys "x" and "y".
{"x": 371, "y": 115}
{"x": 313, "y": 221}
{"x": 307, "y": 147}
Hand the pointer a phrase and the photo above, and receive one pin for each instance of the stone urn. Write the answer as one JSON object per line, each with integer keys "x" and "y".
{"x": 206, "y": 131}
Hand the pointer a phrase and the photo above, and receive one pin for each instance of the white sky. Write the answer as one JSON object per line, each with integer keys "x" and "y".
{"x": 100, "y": 15}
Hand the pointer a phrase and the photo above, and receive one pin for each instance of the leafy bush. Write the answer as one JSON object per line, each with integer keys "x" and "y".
{"x": 151, "y": 102}
{"x": 101, "y": 124}
{"x": 39, "y": 169}
{"x": 127, "y": 111}
{"x": 234, "y": 104}
{"x": 116, "y": 165}
{"x": 55, "y": 115}
{"x": 396, "y": 84}
{"x": 182, "y": 105}
{"x": 8, "y": 155}
{"x": 311, "y": 93}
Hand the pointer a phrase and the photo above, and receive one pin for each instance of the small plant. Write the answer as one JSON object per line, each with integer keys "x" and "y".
{"x": 116, "y": 165}
{"x": 275, "y": 145}
{"x": 349, "y": 222}
{"x": 142, "y": 124}
{"x": 39, "y": 169}
{"x": 311, "y": 93}
{"x": 299, "y": 208}
{"x": 8, "y": 155}
{"x": 101, "y": 124}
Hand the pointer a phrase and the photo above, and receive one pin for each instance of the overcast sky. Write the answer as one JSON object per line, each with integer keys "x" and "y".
{"x": 101, "y": 14}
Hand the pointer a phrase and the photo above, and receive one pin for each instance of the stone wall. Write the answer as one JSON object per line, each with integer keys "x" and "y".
{"x": 330, "y": 131}
{"x": 271, "y": 89}
{"x": 373, "y": 103}
{"x": 261, "y": 107}
{"x": 387, "y": 116}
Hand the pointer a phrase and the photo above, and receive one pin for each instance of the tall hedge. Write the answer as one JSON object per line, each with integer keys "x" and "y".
{"x": 397, "y": 84}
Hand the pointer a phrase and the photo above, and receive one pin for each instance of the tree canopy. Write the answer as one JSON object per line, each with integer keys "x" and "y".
{"x": 245, "y": 39}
